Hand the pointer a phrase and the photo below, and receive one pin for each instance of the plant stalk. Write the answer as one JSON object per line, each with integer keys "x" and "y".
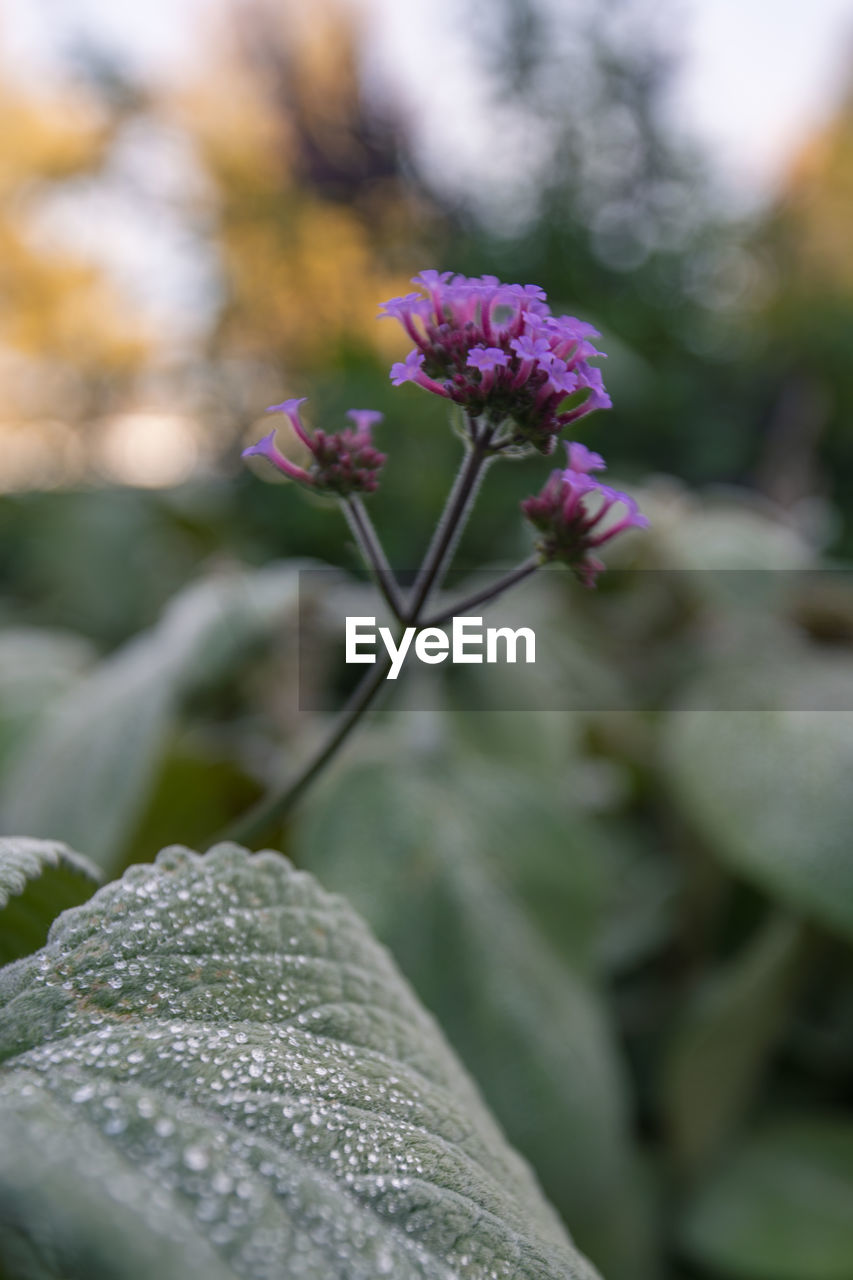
{"x": 452, "y": 522}
{"x": 274, "y": 807}
{"x": 373, "y": 554}
{"x": 522, "y": 571}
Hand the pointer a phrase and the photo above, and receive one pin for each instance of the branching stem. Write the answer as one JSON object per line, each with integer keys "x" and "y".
{"x": 503, "y": 584}
{"x": 452, "y": 522}
{"x": 373, "y": 553}
{"x": 276, "y": 806}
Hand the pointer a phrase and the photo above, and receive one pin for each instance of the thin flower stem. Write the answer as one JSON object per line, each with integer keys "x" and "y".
{"x": 373, "y": 554}
{"x": 462, "y": 607}
{"x": 273, "y": 808}
{"x": 450, "y": 526}
{"x": 276, "y": 806}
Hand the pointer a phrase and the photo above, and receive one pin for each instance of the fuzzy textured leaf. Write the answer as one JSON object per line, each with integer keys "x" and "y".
{"x": 213, "y": 1070}
{"x": 38, "y": 880}
{"x": 452, "y": 875}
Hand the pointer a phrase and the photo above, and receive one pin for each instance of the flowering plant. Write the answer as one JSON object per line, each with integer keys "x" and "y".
{"x": 208, "y": 1067}
{"x": 345, "y": 462}
{"x": 496, "y": 350}
{"x": 519, "y": 376}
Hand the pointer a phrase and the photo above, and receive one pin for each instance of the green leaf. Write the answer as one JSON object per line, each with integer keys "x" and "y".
{"x": 723, "y": 1040}
{"x": 91, "y": 768}
{"x": 38, "y": 880}
{"x": 37, "y": 667}
{"x": 198, "y": 790}
{"x": 642, "y": 899}
{"x": 214, "y": 1068}
{"x": 780, "y": 1207}
{"x": 769, "y": 788}
{"x": 449, "y": 875}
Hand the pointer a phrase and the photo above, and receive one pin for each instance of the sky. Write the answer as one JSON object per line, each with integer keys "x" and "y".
{"x": 756, "y": 76}
{"x": 755, "y": 79}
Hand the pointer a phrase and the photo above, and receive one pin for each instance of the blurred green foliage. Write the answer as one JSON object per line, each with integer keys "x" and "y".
{"x": 633, "y": 924}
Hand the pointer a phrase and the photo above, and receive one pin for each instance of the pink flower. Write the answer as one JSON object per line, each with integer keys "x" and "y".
{"x": 266, "y": 448}
{"x": 411, "y": 370}
{"x": 406, "y": 309}
{"x": 407, "y": 370}
{"x": 290, "y": 408}
{"x": 583, "y": 459}
{"x": 487, "y": 358}
{"x": 569, "y": 512}
{"x": 365, "y": 419}
{"x": 344, "y": 462}
{"x": 496, "y": 350}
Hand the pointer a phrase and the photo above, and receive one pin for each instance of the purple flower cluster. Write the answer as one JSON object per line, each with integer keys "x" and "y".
{"x": 344, "y": 462}
{"x": 497, "y": 351}
{"x": 570, "y": 511}
{"x": 520, "y": 375}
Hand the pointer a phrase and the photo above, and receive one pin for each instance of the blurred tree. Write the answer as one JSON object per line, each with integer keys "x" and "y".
{"x": 615, "y": 217}
{"x": 728, "y": 345}
{"x": 321, "y": 205}
{"x": 315, "y": 222}
{"x": 804, "y": 256}
{"x": 67, "y": 343}
{"x": 317, "y": 217}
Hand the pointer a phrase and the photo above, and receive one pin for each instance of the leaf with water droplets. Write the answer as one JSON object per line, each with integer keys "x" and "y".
{"x": 38, "y": 880}
{"x": 451, "y": 867}
{"x": 213, "y": 1070}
